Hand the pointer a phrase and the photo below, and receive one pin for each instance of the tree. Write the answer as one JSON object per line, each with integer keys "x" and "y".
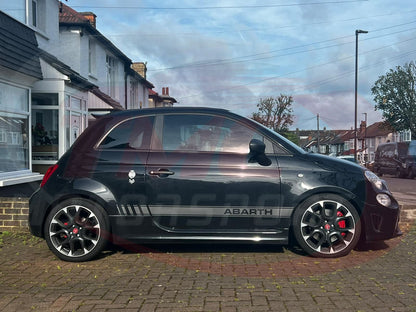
{"x": 275, "y": 113}
{"x": 395, "y": 94}
{"x": 291, "y": 136}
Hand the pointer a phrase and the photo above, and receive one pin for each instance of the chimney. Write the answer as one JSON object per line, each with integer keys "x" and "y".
{"x": 91, "y": 17}
{"x": 140, "y": 68}
{"x": 165, "y": 91}
{"x": 362, "y": 126}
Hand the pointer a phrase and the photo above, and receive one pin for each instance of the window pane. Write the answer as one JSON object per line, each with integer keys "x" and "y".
{"x": 45, "y": 134}
{"x": 67, "y": 129}
{"x": 75, "y": 103}
{"x": 14, "y": 149}
{"x": 14, "y": 99}
{"x": 131, "y": 134}
{"x": 206, "y": 134}
{"x": 45, "y": 99}
{"x": 34, "y": 13}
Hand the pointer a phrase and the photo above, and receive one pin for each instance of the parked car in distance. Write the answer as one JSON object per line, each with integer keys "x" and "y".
{"x": 396, "y": 158}
{"x": 204, "y": 175}
{"x": 411, "y": 160}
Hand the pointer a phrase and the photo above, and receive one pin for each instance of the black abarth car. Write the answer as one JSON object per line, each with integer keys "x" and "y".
{"x": 203, "y": 174}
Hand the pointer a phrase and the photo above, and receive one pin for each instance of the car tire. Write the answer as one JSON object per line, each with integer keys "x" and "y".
{"x": 326, "y": 226}
{"x": 398, "y": 173}
{"x": 410, "y": 173}
{"x": 77, "y": 230}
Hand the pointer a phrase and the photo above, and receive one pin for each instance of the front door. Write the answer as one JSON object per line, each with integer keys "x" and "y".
{"x": 201, "y": 178}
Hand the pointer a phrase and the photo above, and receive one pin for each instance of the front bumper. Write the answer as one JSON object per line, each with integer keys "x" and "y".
{"x": 380, "y": 222}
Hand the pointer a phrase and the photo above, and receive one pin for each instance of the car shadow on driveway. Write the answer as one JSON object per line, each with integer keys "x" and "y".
{"x": 198, "y": 248}
{"x": 231, "y": 248}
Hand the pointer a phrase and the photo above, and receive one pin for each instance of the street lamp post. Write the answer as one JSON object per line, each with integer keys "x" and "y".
{"x": 358, "y": 31}
{"x": 365, "y": 140}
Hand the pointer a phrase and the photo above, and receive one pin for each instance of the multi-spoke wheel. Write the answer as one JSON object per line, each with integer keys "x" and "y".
{"x": 326, "y": 225}
{"x": 75, "y": 230}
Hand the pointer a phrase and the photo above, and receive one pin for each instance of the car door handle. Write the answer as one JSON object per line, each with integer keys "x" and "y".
{"x": 162, "y": 173}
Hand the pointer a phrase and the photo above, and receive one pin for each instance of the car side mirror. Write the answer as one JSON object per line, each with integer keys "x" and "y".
{"x": 257, "y": 147}
{"x": 257, "y": 153}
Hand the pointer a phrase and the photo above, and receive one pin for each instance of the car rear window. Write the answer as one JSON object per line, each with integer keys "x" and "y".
{"x": 132, "y": 134}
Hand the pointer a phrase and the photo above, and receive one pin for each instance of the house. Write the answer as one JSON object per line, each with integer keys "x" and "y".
{"x": 56, "y": 69}
{"x": 341, "y": 142}
{"x": 88, "y": 52}
{"x": 20, "y": 69}
{"x": 325, "y": 141}
{"x": 164, "y": 100}
{"x": 372, "y": 136}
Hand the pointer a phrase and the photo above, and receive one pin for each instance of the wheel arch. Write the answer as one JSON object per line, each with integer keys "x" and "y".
{"x": 347, "y": 195}
{"x": 91, "y": 191}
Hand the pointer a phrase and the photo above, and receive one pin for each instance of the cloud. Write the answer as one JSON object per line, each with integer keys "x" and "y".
{"x": 336, "y": 110}
{"x": 232, "y": 57}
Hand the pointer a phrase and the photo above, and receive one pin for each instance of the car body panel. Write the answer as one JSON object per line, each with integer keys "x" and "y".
{"x": 221, "y": 191}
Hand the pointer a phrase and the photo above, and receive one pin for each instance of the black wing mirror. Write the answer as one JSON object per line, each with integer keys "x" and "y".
{"x": 257, "y": 153}
{"x": 257, "y": 147}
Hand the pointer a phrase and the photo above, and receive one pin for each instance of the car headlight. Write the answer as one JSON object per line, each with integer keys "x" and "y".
{"x": 374, "y": 179}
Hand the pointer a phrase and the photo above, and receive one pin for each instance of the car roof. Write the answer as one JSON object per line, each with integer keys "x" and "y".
{"x": 164, "y": 110}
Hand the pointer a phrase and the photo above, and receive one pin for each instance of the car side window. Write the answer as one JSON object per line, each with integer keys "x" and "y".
{"x": 206, "y": 133}
{"x": 132, "y": 134}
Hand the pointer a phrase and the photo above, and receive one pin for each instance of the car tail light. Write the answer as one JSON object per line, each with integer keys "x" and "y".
{"x": 48, "y": 174}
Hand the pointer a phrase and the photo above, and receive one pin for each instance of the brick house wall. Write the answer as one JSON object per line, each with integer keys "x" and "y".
{"x": 14, "y": 213}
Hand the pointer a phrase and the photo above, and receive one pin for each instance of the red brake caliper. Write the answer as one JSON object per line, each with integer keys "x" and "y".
{"x": 341, "y": 223}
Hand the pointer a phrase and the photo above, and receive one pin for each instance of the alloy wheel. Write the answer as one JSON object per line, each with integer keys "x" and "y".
{"x": 74, "y": 231}
{"x": 327, "y": 226}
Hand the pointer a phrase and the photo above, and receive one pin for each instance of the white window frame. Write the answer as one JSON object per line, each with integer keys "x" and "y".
{"x": 72, "y": 110}
{"x": 34, "y": 13}
{"x": 111, "y": 64}
{"x": 16, "y": 138}
{"x": 92, "y": 58}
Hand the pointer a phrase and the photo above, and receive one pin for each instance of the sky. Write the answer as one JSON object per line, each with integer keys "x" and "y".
{"x": 233, "y": 53}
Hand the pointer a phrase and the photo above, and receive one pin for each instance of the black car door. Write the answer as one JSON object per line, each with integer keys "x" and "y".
{"x": 201, "y": 178}
{"x": 120, "y": 163}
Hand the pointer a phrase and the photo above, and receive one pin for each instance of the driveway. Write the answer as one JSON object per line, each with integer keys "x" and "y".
{"x": 380, "y": 277}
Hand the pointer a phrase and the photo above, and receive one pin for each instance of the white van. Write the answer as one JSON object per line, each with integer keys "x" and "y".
{"x": 397, "y": 158}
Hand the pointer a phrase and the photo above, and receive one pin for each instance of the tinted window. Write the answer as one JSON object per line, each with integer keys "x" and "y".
{"x": 412, "y": 148}
{"x": 206, "y": 133}
{"x": 131, "y": 134}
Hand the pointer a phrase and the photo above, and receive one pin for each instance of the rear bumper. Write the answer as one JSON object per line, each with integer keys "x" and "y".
{"x": 37, "y": 210}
